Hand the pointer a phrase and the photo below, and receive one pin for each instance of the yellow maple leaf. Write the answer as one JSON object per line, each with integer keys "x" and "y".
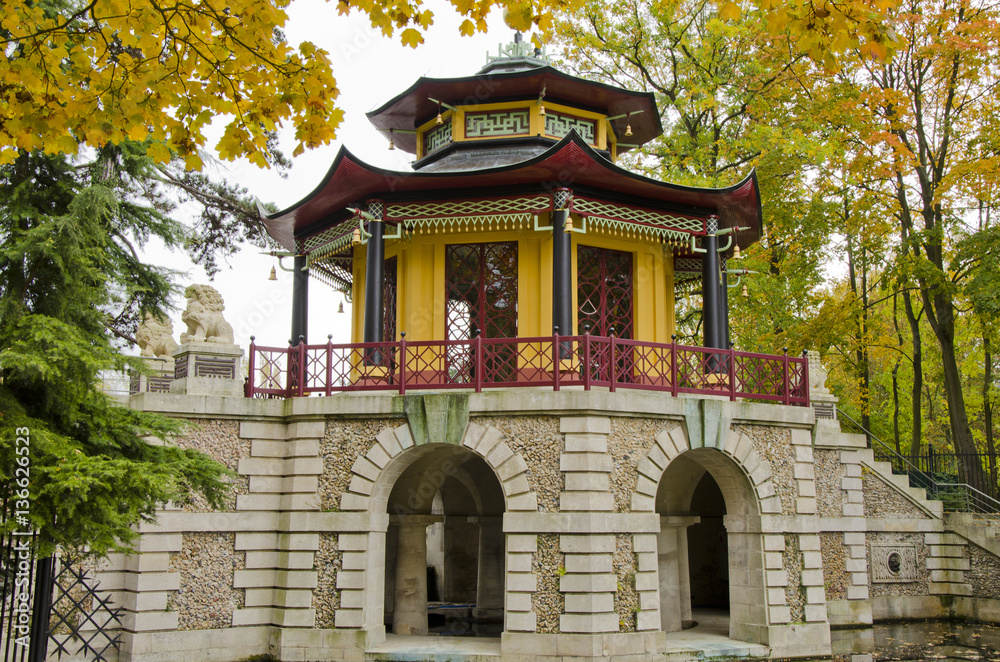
{"x": 729, "y": 11}
{"x": 159, "y": 152}
{"x": 411, "y": 38}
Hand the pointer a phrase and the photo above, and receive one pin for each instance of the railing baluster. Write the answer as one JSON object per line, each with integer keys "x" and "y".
{"x": 302, "y": 366}
{"x": 784, "y": 364}
{"x": 614, "y": 362}
{"x": 673, "y": 365}
{"x": 555, "y": 358}
{"x": 732, "y": 373}
{"x": 329, "y": 363}
{"x": 289, "y": 374}
{"x": 478, "y": 364}
{"x": 402, "y": 362}
{"x": 805, "y": 376}
{"x": 251, "y": 378}
{"x": 586, "y": 357}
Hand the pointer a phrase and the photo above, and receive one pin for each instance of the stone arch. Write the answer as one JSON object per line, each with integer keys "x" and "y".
{"x": 668, "y": 476}
{"x": 373, "y": 476}
{"x": 374, "y": 473}
{"x": 739, "y": 448}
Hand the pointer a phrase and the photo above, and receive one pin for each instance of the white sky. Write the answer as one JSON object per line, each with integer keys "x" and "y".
{"x": 370, "y": 69}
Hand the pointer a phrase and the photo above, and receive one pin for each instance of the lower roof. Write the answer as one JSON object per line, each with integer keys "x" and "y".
{"x": 570, "y": 163}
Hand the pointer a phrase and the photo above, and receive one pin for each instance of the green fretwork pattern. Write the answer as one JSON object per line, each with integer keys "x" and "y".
{"x": 436, "y": 138}
{"x": 469, "y": 223}
{"x": 496, "y": 123}
{"x": 329, "y": 241}
{"x": 455, "y": 208}
{"x": 686, "y": 268}
{"x": 656, "y": 219}
{"x": 558, "y": 125}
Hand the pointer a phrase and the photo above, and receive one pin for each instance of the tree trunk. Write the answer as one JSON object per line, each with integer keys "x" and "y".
{"x": 895, "y": 406}
{"x": 970, "y": 470}
{"x": 916, "y": 392}
{"x": 861, "y": 351}
{"x": 991, "y": 451}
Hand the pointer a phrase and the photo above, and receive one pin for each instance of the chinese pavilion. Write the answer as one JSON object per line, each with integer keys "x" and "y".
{"x": 515, "y": 221}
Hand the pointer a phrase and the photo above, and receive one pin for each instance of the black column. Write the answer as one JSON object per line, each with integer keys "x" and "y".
{"x": 724, "y": 303}
{"x": 711, "y": 305}
{"x": 562, "y": 274}
{"x": 374, "y": 279}
{"x": 300, "y": 300}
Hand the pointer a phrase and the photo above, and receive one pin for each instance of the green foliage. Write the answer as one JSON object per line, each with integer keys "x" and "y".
{"x": 71, "y": 282}
{"x": 885, "y": 165}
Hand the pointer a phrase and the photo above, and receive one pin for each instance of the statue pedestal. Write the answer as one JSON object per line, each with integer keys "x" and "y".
{"x": 158, "y": 381}
{"x": 204, "y": 368}
{"x": 823, "y": 402}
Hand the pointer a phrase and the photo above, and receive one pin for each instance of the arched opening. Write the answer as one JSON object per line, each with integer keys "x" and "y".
{"x": 444, "y": 560}
{"x": 710, "y": 548}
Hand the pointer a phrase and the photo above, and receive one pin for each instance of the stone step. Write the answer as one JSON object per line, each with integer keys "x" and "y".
{"x": 969, "y": 526}
{"x": 901, "y": 482}
{"x": 435, "y": 649}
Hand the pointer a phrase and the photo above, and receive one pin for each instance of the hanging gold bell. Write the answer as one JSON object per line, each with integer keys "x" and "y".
{"x": 274, "y": 274}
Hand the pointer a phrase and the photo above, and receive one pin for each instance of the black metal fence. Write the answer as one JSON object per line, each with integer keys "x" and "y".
{"x": 49, "y": 608}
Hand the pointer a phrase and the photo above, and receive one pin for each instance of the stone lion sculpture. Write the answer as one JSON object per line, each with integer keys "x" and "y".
{"x": 156, "y": 337}
{"x": 817, "y": 373}
{"x": 203, "y": 316}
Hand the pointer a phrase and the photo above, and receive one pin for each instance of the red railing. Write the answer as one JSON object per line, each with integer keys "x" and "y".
{"x": 553, "y": 361}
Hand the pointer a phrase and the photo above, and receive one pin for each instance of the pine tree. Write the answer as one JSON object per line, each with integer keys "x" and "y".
{"x": 71, "y": 285}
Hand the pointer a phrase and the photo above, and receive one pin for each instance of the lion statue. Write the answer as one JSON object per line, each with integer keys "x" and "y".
{"x": 203, "y": 316}
{"x": 156, "y": 337}
{"x": 817, "y": 373}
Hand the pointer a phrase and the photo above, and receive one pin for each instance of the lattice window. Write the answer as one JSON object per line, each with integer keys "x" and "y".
{"x": 481, "y": 286}
{"x": 481, "y": 282}
{"x": 389, "y": 293}
{"x": 558, "y": 125}
{"x": 604, "y": 291}
{"x": 436, "y": 138}
{"x": 496, "y": 123}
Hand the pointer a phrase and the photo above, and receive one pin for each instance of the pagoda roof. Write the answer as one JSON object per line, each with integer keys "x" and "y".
{"x": 410, "y": 109}
{"x": 570, "y": 163}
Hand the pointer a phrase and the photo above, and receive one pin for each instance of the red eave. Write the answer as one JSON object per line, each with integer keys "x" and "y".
{"x": 570, "y": 163}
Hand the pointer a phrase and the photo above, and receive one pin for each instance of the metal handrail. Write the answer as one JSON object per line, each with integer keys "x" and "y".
{"x": 971, "y": 499}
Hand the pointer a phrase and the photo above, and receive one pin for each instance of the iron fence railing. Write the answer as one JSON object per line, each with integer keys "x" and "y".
{"x": 545, "y": 361}
{"x": 935, "y": 472}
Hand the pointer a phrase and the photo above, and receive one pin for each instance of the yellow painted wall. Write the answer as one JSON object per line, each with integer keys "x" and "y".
{"x": 421, "y": 281}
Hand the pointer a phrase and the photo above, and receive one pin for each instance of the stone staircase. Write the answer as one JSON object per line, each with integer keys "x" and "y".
{"x": 917, "y": 495}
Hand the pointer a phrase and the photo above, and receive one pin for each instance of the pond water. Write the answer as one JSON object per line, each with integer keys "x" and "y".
{"x": 932, "y": 641}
